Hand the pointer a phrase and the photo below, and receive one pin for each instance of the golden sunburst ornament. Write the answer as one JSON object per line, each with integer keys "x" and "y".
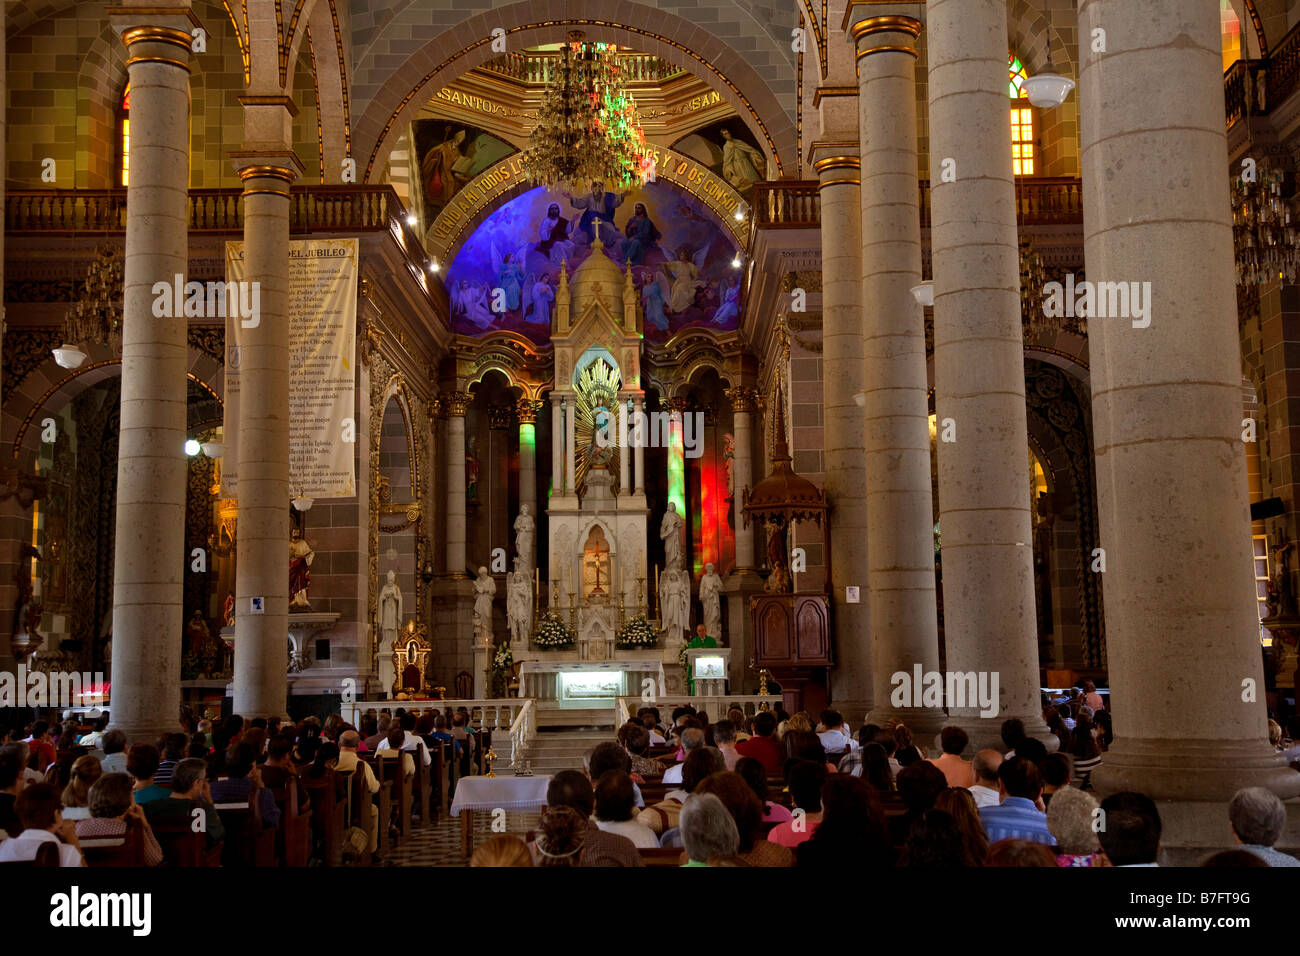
{"x": 597, "y": 390}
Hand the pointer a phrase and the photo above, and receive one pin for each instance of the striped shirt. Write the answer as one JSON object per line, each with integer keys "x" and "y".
{"x": 1083, "y": 768}
{"x": 1016, "y": 818}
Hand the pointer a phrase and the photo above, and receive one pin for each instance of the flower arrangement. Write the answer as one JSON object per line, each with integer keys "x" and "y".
{"x": 552, "y": 632}
{"x": 636, "y": 633}
{"x": 501, "y": 670}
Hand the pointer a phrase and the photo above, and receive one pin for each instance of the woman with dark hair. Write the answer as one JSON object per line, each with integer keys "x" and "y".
{"x": 68, "y": 738}
{"x": 333, "y": 727}
{"x": 1105, "y": 735}
{"x": 755, "y": 774}
{"x": 935, "y": 842}
{"x": 1085, "y": 750}
{"x": 805, "y": 745}
{"x": 875, "y": 767}
{"x": 327, "y": 754}
{"x": 747, "y": 810}
{"x": 1056, "y": 724}
{"x": 958, "y": 803}
{"x": 852, "y": 832}
{"x": 564, "y": 831}
{"x": 1020, "y": 853}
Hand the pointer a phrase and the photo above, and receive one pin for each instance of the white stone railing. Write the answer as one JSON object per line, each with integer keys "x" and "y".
{"x": 625, "y": 708}
{"x": 521, "y": 729}
{"x": 491, "y": 713}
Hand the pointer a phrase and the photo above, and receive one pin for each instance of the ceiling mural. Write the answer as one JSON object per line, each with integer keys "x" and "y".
{"x": 451, "y": 154}
{"x": 505, "y": 274}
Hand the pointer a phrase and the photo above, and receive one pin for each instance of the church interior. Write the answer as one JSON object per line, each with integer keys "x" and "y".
{"x": 896, "y": 385}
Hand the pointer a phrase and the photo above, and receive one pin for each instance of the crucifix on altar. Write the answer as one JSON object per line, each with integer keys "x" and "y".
{"x": 595, "y": 568}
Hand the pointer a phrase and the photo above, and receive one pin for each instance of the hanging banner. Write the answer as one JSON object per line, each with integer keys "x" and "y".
{"x": 322, "y": 369}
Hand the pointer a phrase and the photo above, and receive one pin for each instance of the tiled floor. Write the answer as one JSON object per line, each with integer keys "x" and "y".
{"x": 439, "y": 845}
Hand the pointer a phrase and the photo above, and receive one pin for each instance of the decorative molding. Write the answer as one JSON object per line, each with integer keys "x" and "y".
{"x": 210, "y": 340}
{"x": 743, "y": 398}
{"x": 25, "y": 349}
{"x": 455, "y": 404}
{"x": 527, "y": 410}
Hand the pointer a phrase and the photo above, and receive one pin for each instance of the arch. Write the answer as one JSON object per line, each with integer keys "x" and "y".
{"x": 394, "y": 101}
{"x": 100, "y": 83}
{"x": 1028, "y": 33}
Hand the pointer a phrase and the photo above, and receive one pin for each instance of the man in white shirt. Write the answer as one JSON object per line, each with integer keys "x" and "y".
{"x": 410, "y": 741}
{"x": 92, "y": 739}
{"x": 985, "y": 788}
{"x": 692, "y": 739}
{"x": 38, "y": 809}
{"x": 114, "y": 760}
{"x": 615, "y": 812}
{"x": 832, "y": 735}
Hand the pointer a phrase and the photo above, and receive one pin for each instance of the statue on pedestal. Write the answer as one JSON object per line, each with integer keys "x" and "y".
{"x": 485, "y": 589}
{"x": 390, "y": 619}
{"x": 525, "y": 534}
{"x": 675, "y": 603}
{"x": 519, "y": 601}
{"x": 670, "y": 529}
{"x": 300, "y": 559}
{"x": 711, "y": 599}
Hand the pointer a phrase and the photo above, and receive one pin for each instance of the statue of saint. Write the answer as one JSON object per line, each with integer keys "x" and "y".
{"x": 675, "y": 603}
{"x": 390, "y": 619}
{"x": 519, "y": 602}
{"x": 485, "y": 589}
{"x": 711, "y": 599}
{"x": 525, "y": 533}
{"x": 300, "y": 558}
{"x": 670, "y": 529}
{"x": 778, "y": 582}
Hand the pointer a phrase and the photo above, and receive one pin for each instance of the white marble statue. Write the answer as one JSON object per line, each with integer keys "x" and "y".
{"x": 711, "y": 599}
{"x": 390, "y": 620}
{"x": 670, "y": 529}
{"x": 675, "y": 603}
{"x": 519, "y": 602}
{"x": 485, "y": 589}
{"x": 525, "y": 533}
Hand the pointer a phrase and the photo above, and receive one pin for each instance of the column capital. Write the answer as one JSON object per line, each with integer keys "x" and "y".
{"x": 527, "y": 410}
{"x": 266, "y": 170}
{"x": 156, "y": 34}
{"x": 500, "y": 417}
{"x": 678, "y": 405}
{"x": 836, "y": 162}
{"x": 436, "y": 410}
{"x": 856, "y": 11}
{"x": 455, "y": 404}
{"x": 886, "y": 34}
{"x": 744, "y": 398}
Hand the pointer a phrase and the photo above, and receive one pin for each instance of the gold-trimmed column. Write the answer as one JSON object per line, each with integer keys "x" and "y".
{"x": 454, "y": 406}
{"x": 267, "y": 168}
{"x": 744, "y": 402}
{"x": 990, "y": 623}
{"x": 1181, "y": 623}
{"x": 149, "y": 558}
{"x": 900, "y": 536}
{"x": 839, "y": 168}
{"x": 527, "y": 410}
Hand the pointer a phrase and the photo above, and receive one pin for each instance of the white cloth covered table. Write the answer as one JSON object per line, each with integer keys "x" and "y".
{"x": 508, "y": 793}
{"x": 615, "y": 665}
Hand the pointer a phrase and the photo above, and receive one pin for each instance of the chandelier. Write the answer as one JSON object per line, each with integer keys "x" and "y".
{"x": 1033, "y": 278}
{"x": 1263, "y": 236}
{"x": 97, "y": 316}
{"x": 588, "y": 127}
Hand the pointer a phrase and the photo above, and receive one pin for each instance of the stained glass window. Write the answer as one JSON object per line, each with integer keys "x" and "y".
{"x": 1022, "y": 119}
{"x": 126, "y": 134}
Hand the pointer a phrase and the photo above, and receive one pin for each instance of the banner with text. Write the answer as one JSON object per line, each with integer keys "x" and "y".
{"x": 322, "y": 368}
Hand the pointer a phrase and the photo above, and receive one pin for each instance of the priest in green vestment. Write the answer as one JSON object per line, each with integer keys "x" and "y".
{"x": 699, "y": 640}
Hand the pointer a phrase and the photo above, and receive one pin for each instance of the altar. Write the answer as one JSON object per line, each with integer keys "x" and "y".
{"x": 567, "y": 680}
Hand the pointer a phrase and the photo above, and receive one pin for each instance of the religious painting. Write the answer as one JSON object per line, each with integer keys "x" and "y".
{"x": 506, "y": 273}
{"x": 451, "y": 154}
{"x": 729, "y": 150}
{"x": 595, "y": 568}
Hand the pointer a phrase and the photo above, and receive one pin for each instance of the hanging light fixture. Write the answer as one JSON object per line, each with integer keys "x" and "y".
{"x": 1048, "y": 90}
{"x": 1263, "y": 226}
{"x": 588, "y": 127}
{"x": 97, "y": 316}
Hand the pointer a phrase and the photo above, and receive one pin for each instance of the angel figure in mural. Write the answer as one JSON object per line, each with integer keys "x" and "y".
{"x": 554, "y": 232}
{"x": 509, "y": 271}
{"x": 742, "y": 164}
{"x": 653, "y": 296}
{"x": 729, "y": 293}
{"x": 539, "y": 297}
{"x": 639, "y": 236}
{"x": 470, "y": 303}
{"x": 685, "y": 275}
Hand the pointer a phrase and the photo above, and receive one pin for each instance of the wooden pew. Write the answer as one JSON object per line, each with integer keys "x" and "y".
{"x": 388, "y": 767}
{"x": 661, "y": 856}
{"x": 127, "y": 850}
{"x": 293, "y": 836}
{"x": 421, "y": 783}
{"x": 365, "y": 808}
{"x": 181, "y": 846}
{"x": 654, "y": 791}
{"x": 249, "y": 842}
{"x": 47, "y": 854}
{"x": 326, "y": 815}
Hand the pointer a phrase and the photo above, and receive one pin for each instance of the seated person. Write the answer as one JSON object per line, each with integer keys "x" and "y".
{"x": 396, "y": 737}
{"x": 1017, "y": 816}
{"x": 610, "y": 756}
{"x": 692, "y": 738}
{"x": 142, "y": 764}
{"x": 243, "y": 778}
{"x": 41, "y": 817}
{"x": 615, "y": 812}
{"x": 112, "y": 810}
{"x": 190, "y": 792}
{"x": 11, "y": 784}
{"x": 756, "y": 777}
{"x": 709, "y": 833}
{"x": 805, "y": 779}
{"x": 763, "y": 745}
{"x": 114, "y": 745}
{"x": 663, "y": 816}
{"x": 635, "y": 739}
{"x": 657, "y": 739}
{"x": 833, "y": 735}
{"x": 172, "y": 747}
{"x": 279, "y": 769}
{"x": 570, "y": 801}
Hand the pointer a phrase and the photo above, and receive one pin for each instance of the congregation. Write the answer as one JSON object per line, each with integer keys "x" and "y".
{"x": 764, "y": 789}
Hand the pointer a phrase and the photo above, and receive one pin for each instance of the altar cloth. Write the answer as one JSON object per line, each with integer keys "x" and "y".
{"x": 508, "y": 793}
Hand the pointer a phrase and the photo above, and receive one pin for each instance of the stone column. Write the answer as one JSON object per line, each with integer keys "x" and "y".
{"x": 677, "y": 407}
{"x": 624, "y": 457}
{"x": 990, "y": 625}
{"x": 528, "y": 409}
{"x": 149, "y": 558}
{"x": 744, "y": 400}
{"x": 900, "y": 535}
{"x": 638, "y": 420}
{"x": 1181, "y": 624}
{"x": 837, "y": 165}
{"x": 570, "y": 461}
{"x": 267, "y": 167}
{"x": 557, "y": 445}
{"x": 454, "y": 405}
